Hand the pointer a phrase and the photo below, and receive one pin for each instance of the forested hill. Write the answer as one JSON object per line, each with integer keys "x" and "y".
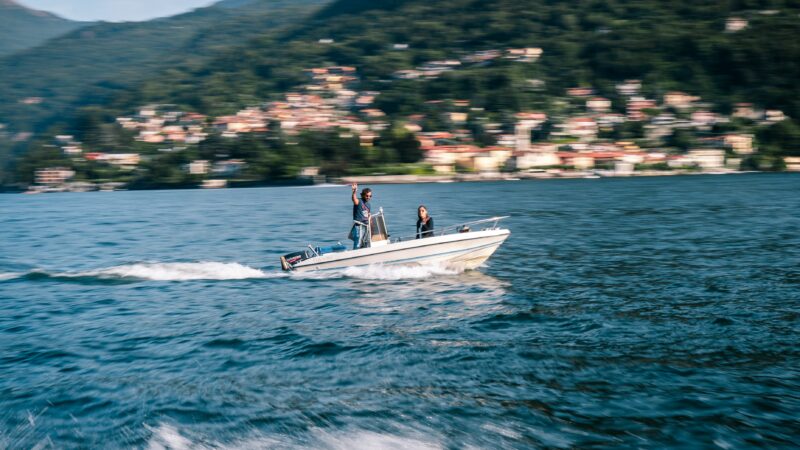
{"x": 676, "y": 45}
{"x": 22, "y": 28}
{"x": 243, "y": 60}
{"x": 91, "y": 65}
{"x": 669, "y": 45}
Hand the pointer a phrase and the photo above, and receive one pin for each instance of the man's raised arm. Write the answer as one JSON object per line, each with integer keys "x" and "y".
{"x": 355, "y": 197}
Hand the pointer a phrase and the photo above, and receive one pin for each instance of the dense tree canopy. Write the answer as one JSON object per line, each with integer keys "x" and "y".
{"x": 680, "y": 45}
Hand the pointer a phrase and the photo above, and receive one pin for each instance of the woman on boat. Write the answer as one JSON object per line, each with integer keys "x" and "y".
{"x": 424, "y": 223}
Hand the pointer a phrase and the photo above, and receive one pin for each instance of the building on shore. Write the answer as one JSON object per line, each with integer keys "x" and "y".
{"x": 446, "y": 159}
{"x": 53, "y": 176}
{"x": 198, "y": 167}
{"x": 526, "y": 122}
{"x": 792, "y": 163}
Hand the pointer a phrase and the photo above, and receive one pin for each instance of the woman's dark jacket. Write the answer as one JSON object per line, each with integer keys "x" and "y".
{"x": 425, "y": 229}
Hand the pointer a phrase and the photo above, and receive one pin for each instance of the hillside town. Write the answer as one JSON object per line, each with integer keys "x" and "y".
{"x": 578, "y": 138}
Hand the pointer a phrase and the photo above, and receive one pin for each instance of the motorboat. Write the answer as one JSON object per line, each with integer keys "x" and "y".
{"x": 463, "y": 246}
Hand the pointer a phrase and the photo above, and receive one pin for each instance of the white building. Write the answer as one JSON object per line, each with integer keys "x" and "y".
{"x": 529, "y": 160}
{"x": 598, "y": 104}
{"x": 792, "y": 163}
{"x": 774, "y": 115}
{"x": 526, "y": 122}
{"x": 53, "y": 175}
{"x": 629, "y": 87}
{"x": 199, "y": 167}
{"x": 214, "y": 184}
{"x": 734, "y": 24}
{"x": 120, "y": 159}
{"x": 708, "y": 159}
{"x": 741, "y": 144}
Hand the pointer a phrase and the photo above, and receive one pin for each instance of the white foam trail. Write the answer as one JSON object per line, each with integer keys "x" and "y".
{"x": 379, "y": 272}
{"x": 181, "y": 271}
{"x": 9, "y": 276}
{"x": 234, "y": 271}
{"x": 368, "y": 440}
{"x": 167, "y": 437}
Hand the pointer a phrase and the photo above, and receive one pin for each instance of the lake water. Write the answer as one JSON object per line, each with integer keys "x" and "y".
{"x": 636, "y": 313}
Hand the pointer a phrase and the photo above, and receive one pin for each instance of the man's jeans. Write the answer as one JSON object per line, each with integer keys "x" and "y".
{"x": 358, "y": 236}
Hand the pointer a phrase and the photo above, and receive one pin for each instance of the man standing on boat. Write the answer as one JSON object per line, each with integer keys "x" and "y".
{"x": 361, "y": 211}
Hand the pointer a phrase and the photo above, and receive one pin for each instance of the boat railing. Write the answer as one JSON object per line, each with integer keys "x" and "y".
{"x": 363, "y": 233}
{"x": 376, "y": 227}
{"x": 372, "y": 231}
{"x": 464, "y": 227}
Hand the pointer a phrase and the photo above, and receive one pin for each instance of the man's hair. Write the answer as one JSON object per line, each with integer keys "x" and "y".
{"x": 366, "y": 191}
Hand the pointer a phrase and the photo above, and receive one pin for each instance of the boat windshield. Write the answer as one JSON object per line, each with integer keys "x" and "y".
{"x": 377, "y": 228}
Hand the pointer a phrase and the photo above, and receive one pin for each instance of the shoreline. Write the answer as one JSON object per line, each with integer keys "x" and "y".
{"x": 417, "y": 179}
{"x": 518, "y": 176}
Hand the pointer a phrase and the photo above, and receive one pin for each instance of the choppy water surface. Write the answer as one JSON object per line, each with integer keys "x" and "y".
{"x": 647, "y": 313}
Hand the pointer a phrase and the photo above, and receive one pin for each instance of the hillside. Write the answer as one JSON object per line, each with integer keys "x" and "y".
{"x": 680, "y": 45}
{"x": 22, "y": 28}
{"x": 394, "y": 46}
{"x": 94, "y": 63}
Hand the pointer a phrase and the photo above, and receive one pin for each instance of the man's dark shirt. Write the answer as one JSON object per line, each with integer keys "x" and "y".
{"x": 361, "y": 211}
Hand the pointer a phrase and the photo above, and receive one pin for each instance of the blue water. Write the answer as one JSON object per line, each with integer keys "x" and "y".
{"x": 634, "y": 313}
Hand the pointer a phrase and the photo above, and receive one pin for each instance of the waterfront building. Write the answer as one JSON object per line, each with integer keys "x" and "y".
{"x": 741, "y": 144}
{"x": 526, "y": 122}
{"x": 707, "y": 159}
{"x": 792, "y": 163}
{"x": 53, "y": 176}
{"x": 198, "y": 167}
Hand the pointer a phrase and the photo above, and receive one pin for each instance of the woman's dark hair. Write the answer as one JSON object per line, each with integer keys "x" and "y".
{"x": 418, "y": 215}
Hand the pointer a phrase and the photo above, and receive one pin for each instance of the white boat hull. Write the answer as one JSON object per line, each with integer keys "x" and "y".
{"x": 462, "y": 251}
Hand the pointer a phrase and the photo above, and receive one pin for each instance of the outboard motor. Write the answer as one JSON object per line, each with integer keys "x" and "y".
{"x": 289, "y": 260}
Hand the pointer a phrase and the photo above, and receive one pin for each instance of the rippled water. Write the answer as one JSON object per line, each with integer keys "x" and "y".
{"x": 651, "y": 313}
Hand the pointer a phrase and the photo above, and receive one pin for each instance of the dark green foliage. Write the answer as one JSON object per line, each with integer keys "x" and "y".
{"x": 102, "y": 63}
{"x": 40, "y": 155}
{"x": 782, "y": 138}
{"x": 242, "y": 61}
{"x": 679, "y": 45}
{"x": 401, "y": 145}
{"x": 681, "y": 139}
{"x": 22, "y": 28}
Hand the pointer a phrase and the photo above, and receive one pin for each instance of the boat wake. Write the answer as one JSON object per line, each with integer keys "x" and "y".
{"x": 189, "y": 271}
{"x": 379, "y": 272}
{"x": 182, "y": 271}
{"x": 10, "y": 276}
{"x": 169, "y": 437}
